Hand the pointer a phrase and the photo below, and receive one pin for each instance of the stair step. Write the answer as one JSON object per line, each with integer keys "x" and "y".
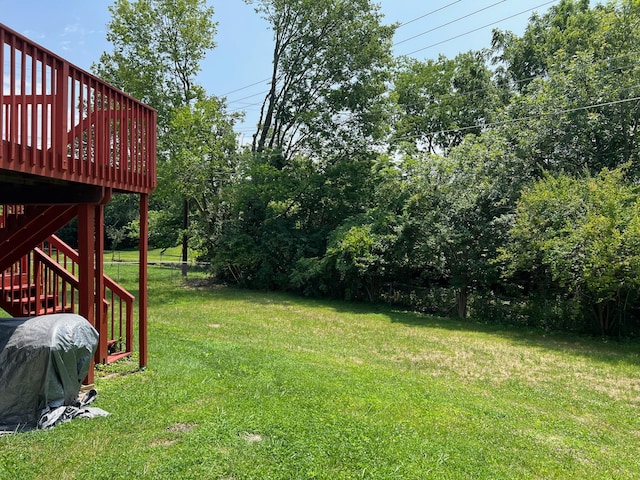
{"x": 47, "y": 311}
{"x": 114, "y": 357}
{"x": 13, "y": 281}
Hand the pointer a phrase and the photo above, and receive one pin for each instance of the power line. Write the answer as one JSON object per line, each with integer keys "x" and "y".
{"x": 245, "y": 107}
{"x": 527, "y": 79}
{"x": 248, "y": 96}
{"x": 449, "y": 23}
{"x": 480, "y": 90}
{"x": 229, "y": 102}
{"x": 480, "y": 28}
{"x": 401, "y": 25}
{"x": 427, "y": 14}
{"x": 522, "y": 119}
{"x": 410, "y": 38}
{"x": 244, "y": 88}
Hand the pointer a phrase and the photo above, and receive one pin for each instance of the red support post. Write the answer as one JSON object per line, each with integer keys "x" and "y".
{"x": 60, "y": 134}
{"x": 38, "y": 282}
{"x": 100, "y": 313}
{"x": 86, "y": 271}
{"x": 143, "y": 277}
{"x": 2, "y": 105}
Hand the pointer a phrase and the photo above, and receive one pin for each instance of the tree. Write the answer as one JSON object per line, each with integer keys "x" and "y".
{"x": 365, "y": 250}
{"x": 330, "y": 64}
{"x": 202, "y": 137}
{"x": 576, "y": 70}
{"x": 458, "y": 213}
{"x": 158, "y": 46}
{"x": 309, "y": 165}
{"x": 261, "y": 236}
{"x": 440, "y": 101}
{"x": 580, "y": 237}
{"x": 566, "y": 28}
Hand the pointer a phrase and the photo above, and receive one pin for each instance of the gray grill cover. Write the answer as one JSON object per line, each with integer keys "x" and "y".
{"x": 43, "y": 361}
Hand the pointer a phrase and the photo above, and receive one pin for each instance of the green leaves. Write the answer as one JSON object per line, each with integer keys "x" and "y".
{"x": 441, "y": 101}
{"x": 581, "y": 234}
{"x": 158, "y": 46}
{"x": 576, "y": 73}
{"x": 330, "y": 62}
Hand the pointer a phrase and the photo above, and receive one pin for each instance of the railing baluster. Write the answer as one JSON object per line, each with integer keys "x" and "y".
{"x": 2, "y": 104}
{"x": 13, "y": 113}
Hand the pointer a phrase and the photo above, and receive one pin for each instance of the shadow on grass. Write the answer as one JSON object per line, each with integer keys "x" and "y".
{"x": 201, "y": 290}
{"x": 603, "y": 349}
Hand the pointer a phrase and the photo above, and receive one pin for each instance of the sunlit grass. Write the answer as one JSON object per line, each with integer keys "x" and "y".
{"x": 255, "y": 385}
{"x": 155, "y": 255}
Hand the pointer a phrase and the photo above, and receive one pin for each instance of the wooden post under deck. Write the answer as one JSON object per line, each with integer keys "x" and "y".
{"x": 86, "y": 270}
{"x": 143, "y": 277}
{"x": 101, "y": 318}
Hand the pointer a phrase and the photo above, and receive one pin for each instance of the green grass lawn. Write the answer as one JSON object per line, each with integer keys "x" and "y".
{"x": 173, "y": 254}
{"x": 253, "y": 385}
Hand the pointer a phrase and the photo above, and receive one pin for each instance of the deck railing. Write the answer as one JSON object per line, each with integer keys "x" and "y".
{"x": 46, "y": 281}
{"x": 59, "y": 121}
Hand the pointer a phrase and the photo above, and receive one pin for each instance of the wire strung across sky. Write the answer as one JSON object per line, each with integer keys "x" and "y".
{"x": 267, "y": 80}
{"x": 523, "y": 119}
{"x": 482, "y": 27}
{"x": 617, "y": 68}
{"x": 449, "y": 23}
{"x": 244, "y": 88}
{"x": 628, "y": 66}
{"x": 427, "y": 14}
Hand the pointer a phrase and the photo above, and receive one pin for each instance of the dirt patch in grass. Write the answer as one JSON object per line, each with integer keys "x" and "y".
{"x": 251, "y": 437}
{"x": 182, "y": 427}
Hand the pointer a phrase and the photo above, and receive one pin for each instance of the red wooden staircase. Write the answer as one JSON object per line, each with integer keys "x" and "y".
{"x": 45, "y": 281}
{"x": 68, "y": 141}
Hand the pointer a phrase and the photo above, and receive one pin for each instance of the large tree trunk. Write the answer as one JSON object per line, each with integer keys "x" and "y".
{"x": 462, "y": 295}
{"x": 185, "y": 237}
{"x": 605, "y": 316}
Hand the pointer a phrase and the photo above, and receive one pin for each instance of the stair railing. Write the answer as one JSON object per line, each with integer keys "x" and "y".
{"x": 46, "y": 281}
{"x": 117, "y": 303}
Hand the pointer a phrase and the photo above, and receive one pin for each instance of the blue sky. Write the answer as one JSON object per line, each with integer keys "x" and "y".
{"x": 76, "y": 29}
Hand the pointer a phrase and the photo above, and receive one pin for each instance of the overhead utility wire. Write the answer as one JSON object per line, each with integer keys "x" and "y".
{"x": 527, "y": 79}
{"x": 405, "y": 40}
{"x": 427, "y": 14}
{"x": 480, "y": 28}
{"x": 466, "y": 33}
{"x": 248, "y": 96}
{"x": 522, "y": 119}
{"x": 449, "y": 23}
{"x": 244, "y": 88}
{"x": 401, "y": 25}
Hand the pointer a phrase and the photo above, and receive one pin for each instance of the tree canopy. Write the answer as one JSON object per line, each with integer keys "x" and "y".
{"x": 330, "y": 61}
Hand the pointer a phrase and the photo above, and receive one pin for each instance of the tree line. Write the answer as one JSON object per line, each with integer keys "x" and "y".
{"x": 501, "y": 183}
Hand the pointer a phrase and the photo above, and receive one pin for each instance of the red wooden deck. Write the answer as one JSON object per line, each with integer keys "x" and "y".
{"x": 60, "y": 122}
{"x": 67, "y": 141}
